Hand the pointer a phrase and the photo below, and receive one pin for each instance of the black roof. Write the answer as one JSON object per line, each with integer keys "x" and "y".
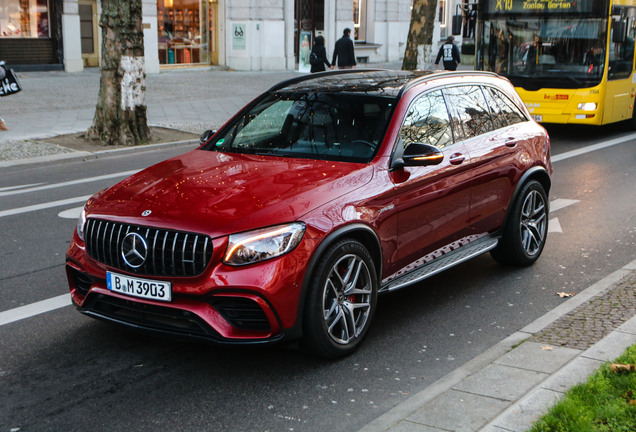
{"x": 386, "y": 83}
{"x": 373, "y": 82}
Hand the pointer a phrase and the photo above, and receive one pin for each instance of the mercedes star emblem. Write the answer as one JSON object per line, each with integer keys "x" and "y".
{"x": 134, "y": 250}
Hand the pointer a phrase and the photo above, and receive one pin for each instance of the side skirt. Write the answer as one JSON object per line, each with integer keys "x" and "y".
{"x": 442, "y": 263}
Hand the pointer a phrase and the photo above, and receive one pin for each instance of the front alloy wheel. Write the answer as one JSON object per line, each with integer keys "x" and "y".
{"x": 341, "y": 301}
{"x": 346, "y": 299}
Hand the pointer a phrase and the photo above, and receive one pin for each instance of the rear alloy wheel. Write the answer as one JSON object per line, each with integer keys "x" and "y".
{"x": 527, "y": 228}
{"x": 341, "y": 301}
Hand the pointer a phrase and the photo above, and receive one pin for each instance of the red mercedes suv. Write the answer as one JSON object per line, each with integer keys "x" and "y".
{"x": 320, "y": 194}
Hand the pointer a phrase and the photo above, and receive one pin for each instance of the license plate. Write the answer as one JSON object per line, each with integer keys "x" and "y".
{"x": 538, "y": 118}
{"x": 144, "y": 288}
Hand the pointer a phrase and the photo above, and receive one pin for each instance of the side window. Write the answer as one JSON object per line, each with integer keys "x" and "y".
{"x": 427, "y": 122}
{"x": 621, "y": 53}
{"x": 469, "y": 111}
{"x": 504, "y": 111}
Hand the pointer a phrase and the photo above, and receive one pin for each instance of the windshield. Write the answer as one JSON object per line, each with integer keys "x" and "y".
{"x": 321, "y": 125}
{"x": 535, "y": 52}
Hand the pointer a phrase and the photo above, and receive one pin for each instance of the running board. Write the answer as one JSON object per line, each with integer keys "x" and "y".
{"x": 442, "y": 263}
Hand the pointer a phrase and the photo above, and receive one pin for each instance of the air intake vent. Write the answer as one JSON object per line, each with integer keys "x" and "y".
{"x": 160, "y": 252}
{"x": 243, "y": 313}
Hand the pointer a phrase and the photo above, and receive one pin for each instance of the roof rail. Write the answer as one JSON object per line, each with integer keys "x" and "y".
{"x": 431, "y": 75}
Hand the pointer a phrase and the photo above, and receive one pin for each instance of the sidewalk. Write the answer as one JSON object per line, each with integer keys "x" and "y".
{"x": 503, "y": 389}
{"x": 512, "y": 384}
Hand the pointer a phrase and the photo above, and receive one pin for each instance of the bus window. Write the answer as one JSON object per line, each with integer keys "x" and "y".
{"x": 621, "y": 53}
{"x": 558, "y": 51}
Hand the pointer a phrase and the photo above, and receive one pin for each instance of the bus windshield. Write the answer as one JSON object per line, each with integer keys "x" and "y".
{"x": 545, "y": 51}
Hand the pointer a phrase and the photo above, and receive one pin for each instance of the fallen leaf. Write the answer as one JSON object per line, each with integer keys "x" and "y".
{"x": 564, "y": 294}
{"x": 617, "y": 368}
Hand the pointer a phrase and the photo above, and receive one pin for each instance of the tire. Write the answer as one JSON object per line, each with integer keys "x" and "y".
{"x": 341, "y": 300}
{"x": 526, "y": 230}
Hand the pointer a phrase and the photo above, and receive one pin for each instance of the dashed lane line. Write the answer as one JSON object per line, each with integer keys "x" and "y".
{"x": 16, "y": 190}
{"x": 27, "y": 311}
{"x": 42, "y": 206}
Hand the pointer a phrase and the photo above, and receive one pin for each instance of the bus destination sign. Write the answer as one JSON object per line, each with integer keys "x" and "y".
{"x": 538, "y": 6}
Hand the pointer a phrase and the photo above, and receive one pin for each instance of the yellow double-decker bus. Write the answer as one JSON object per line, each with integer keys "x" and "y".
{"x": 572, "y": 61}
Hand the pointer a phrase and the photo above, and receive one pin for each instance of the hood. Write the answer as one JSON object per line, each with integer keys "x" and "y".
{"x": 221, "y": 193}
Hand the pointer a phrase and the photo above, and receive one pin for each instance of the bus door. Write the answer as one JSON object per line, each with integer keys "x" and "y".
{"x": 621, "y": 77}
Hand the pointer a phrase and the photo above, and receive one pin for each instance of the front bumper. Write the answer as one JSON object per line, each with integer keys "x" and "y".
{"x": 234, "y": 305}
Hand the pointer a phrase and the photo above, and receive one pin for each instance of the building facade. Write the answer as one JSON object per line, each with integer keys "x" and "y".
{"x": 240, "y": 34}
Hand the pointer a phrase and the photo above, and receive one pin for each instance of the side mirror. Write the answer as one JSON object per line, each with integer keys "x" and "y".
{"x": 418, "y": 154}
{"x": 619, "y": 31}
{"x": 205, "y": 136}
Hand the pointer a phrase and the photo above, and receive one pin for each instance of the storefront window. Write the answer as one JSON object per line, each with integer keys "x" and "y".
{"x": 360, "y": 20}
{"x": 182, "y": 36}
{"x": 442, "y": 18}
{"x": 24, "y": 18}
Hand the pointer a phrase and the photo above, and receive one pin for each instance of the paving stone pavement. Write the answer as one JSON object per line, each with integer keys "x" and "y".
{"x": 592, "y": 321}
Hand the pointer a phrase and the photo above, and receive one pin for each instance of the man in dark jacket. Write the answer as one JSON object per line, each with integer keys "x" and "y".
{"x": 343, "y": 51}
{"x": 450, "y": 52}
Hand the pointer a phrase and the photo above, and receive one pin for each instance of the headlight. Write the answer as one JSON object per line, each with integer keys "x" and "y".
{"x": 80, "y": 224}
{"x": 263, "y": 244}
{"x": 587, "y": 106}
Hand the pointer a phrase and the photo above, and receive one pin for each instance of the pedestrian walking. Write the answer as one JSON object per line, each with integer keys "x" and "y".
{"x": 450, "y": 54}
{"x": 343, "y": 52}
{"x": 318, "y": 56}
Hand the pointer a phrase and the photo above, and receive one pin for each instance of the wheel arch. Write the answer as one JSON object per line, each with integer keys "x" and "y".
{"x": 357, "y": 231}
{"x": 537, "y": 173}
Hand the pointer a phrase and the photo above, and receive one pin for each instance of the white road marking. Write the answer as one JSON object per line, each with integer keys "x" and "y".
{"x": 42, "y": 206}
{"x": 559, "y": 203}
{"x": 594, "y": 147}
{"x": 27, "y": 311}
{"x": 554, "y": 226}
{"x": 73, "y": 213}
{"x": 15, "y": 190}
{"x": 9, "y": 188}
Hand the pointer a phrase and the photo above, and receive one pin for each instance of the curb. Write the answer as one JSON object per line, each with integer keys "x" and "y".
{"x": 549, "y": 386}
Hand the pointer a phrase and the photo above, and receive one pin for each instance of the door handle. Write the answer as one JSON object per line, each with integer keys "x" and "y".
{"x": 456, "y": 158}
{"x": 510, "y": 142}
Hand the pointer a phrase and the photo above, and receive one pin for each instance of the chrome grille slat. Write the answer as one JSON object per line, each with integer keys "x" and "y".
{"x": 110, "y": 241}
{"x": 99, "y": 228}
{"x": 174, "y": 248}
{"x": 194, "y": 252}
{"x": 170, "y": 252}
{"x": 183, "y": 260}
{"x": 154, "y": 247}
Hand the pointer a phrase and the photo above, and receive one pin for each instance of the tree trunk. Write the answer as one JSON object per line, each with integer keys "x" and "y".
{"x": 120, "y": 115}
{"x": 419, "y": 45}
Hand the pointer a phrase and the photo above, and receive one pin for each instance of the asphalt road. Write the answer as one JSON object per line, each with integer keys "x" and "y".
{"x": 62, "y": 371}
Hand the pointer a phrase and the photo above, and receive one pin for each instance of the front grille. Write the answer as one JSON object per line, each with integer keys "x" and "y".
{"x": 243, "y": 313}
{"x": 169, "y": 252}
